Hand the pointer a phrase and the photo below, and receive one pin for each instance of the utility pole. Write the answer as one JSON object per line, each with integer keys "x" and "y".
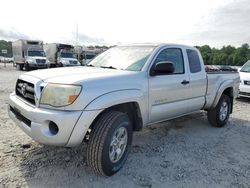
{"x": 4, "y": 51}
{"x": 78, "y": 47}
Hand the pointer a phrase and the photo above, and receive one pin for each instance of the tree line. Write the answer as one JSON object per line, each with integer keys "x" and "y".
{"x": 6, "y": 45}
{"x": 227, "y": 55}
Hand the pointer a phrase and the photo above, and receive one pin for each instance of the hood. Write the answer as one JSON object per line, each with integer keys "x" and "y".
{"x": 244, "y": 75}
{"x": 76, "y": 75}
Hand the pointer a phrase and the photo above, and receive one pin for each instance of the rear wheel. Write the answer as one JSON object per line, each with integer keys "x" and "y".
{"x": 19, "y": 66}
{"x": 219, "y": 115}
{"x": 109, "y": 143}
{"x": 27, "y": 67}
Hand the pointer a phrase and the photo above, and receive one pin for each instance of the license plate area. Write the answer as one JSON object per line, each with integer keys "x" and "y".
{"x": 19, "y": 116}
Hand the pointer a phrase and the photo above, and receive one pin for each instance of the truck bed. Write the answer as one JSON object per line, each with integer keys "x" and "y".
{"x": 216, "y": 80}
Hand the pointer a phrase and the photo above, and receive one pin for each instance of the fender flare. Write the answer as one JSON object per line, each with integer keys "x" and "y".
{"x": 113, "y": 98}
{"x": 225, "y": 85}
{"x": 120, "y": 97}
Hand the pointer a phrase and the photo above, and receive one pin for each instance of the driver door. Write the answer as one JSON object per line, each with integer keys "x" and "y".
{"x": 167, "y": 92}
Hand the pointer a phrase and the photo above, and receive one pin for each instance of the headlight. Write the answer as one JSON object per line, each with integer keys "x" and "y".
{"x": 59, "y": 95}
{"x": 65, "y": 62}
{"x": 31, "y": 61}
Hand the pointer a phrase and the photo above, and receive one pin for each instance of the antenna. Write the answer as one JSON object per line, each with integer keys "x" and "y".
{"x": 76, "y": 34}
{"x": 78, "y": 48}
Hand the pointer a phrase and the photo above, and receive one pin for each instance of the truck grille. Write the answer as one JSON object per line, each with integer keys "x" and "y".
{"x": 40, "y": 61}
{"x": 26, "y": 91}
{"x": 246, "y": 82}
{"x": 72, "y": 62}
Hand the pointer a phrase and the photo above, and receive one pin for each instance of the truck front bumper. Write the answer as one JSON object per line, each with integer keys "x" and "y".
{"x": 244, "y": 90}
{"x": 50, "y": 127}
{"x": 38, "y": 65}
{"x": 71, "y": 65}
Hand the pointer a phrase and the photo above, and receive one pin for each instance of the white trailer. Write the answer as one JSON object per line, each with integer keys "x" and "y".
{"x": 61, "y": 55}
{"x": 29, "y": 54}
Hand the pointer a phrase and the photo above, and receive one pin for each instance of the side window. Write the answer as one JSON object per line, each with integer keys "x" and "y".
{"x": 194, "y": 61}
{"x": 175, "y": 56}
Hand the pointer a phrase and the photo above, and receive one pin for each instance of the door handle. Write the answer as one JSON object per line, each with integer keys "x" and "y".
{"x": 185, "y": 82}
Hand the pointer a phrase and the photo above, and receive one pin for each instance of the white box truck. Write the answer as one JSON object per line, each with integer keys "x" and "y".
{"x": 29, "y": 54}
{"x": 85, "y": 55}
{"x": 61, "y": 55}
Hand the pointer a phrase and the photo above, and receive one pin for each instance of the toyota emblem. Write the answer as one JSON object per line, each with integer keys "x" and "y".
{"x": 23, "y": 89}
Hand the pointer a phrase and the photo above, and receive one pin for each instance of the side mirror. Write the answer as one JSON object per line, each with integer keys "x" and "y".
{"x": 162, "y": 67}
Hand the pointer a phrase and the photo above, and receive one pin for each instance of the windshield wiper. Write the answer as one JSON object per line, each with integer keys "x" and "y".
{"x": 108, "y": 67}
{"x": 243, "y": 71}
{"x": 89, "y": 65}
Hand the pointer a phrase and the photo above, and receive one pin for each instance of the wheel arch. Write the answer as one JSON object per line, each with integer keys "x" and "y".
{"x": 132, "y": 109}
{"x": 131, "y": 101}
{"x": 225, "y": 89}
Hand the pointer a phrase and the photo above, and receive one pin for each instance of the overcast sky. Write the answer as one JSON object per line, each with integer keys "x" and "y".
{"x": 193, "y": 22}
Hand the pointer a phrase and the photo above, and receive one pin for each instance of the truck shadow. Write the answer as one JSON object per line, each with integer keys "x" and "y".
{"x": 243, "y": 100}
{"x": 155, "y": 149}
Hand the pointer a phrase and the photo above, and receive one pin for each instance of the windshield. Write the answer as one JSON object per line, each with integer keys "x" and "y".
{"x": 67, "y": 55}
{"x": 89, "y": 56}
{"x": 246, "y": 67}
{"x": 130, "y": 58}
{"x": 36, "y": 53}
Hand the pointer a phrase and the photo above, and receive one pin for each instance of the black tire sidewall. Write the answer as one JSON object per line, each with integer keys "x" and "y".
{"x": 110, "y": 168}
{"x": 227, "y": 99}
{"x": 27, "y": 67}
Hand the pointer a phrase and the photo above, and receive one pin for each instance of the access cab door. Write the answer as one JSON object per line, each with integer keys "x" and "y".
{"x": 198, "y": 80}
{"x": 168, "y": 93}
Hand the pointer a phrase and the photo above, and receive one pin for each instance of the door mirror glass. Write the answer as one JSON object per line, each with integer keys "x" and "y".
{"x": 162, "y": 67}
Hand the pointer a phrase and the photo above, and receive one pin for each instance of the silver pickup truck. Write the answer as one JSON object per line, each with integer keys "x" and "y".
{"x": 120, "y": 91}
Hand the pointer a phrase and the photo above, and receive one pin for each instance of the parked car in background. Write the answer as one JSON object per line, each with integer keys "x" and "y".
{"x": 245, "y": 80}
{"x": 29, "y": 54}
{"x": 9, "y": 59}
{"x": 61, "y": 55}
{"x": 6, "y": 59}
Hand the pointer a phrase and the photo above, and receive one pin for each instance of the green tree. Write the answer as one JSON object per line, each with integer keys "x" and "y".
{"x": 241, "y": 55}
{"x": 6, "y": 45}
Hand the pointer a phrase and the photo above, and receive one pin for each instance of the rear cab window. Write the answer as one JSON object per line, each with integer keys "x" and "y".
{"x": 194, "y": 61}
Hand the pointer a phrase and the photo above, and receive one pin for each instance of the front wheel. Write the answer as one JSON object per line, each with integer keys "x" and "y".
{"x": 27, "y": 67}
{"x": 219, "y": 115}
{"x": 109, "y": 143}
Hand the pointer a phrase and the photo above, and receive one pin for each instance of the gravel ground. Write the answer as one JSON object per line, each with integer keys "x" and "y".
{"x": 186, "y": 152}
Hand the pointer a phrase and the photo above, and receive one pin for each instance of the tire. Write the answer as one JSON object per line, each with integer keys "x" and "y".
{"x": 52, "y": 65}
{"x": 99, "y": 155}
{"x": 218, "y": 116}
{"x": 19, "y": 66}
{"x": 27, "y": 67}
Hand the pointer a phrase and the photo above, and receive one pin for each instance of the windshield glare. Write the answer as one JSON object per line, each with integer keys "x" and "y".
{"x": 246, "y": 67}
{"x": 130, "y": 58}
{"x": 67, "y": 55}
{"x": 36, "y": 53}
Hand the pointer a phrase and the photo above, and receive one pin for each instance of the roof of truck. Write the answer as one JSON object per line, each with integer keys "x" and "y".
{"x": 157, "y": 44}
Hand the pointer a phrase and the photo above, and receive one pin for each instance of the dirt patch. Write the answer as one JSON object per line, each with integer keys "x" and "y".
{"x": 186, "y": 152}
